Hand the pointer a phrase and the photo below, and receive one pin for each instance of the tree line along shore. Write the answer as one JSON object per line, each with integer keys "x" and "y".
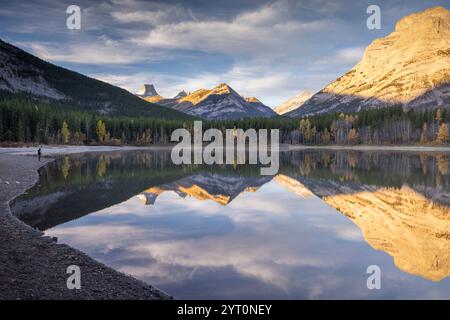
{"x": 28, "y": 121}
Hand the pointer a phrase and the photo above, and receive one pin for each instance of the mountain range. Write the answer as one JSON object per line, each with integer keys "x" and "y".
{"x": 410, "y": 67}
{"x": 219, "y": 103}
{"x": 22, "y": 74}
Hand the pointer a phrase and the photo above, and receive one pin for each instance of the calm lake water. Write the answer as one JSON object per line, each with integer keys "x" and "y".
{"x": 227, "y": 232}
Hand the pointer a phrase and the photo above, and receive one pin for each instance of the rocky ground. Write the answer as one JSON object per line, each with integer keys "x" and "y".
{"x": 33, "y": 266}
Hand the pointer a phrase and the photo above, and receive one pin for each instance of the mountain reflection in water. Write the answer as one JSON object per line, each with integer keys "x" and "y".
{"x": 227, "y": 232}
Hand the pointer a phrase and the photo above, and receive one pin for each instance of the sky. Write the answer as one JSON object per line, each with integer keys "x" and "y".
{"x": 271, "y": 50}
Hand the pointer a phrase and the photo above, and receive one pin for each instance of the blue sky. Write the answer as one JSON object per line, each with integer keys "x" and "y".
{"x": 268, "y": 49}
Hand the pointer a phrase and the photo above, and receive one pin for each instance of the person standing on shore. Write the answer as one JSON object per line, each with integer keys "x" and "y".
{"x": 39, "y": 152}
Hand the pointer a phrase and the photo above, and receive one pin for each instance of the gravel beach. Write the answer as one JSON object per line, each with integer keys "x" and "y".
{"x": 33, "y": 266}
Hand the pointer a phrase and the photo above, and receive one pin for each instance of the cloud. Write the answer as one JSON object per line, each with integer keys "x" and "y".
{"x": 159, "y": 14}
{"x": 255, "y": 33}
{"x": 103, "y": 51}
{"x": 344, "y": 56}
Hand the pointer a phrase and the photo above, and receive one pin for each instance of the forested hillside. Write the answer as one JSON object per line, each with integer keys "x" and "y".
{"x": 28, "y": 121}
{"x": 24, "y": 74}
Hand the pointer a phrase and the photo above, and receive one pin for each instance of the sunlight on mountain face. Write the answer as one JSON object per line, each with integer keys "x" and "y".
{"x": 200, "y": 94}
{"x": 410, "y": 67}
{"x": 196, "y": 96}
{"x": 400, "y": 66}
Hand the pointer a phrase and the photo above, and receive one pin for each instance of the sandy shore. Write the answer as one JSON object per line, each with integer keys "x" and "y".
{"x": 33, "y": 266}
{"x": 62, "y": 150}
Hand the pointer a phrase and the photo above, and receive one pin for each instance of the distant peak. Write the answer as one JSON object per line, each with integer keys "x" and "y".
{"x": 253, "y": 100}
{"x": 180, "y": 95}
{"x": 294, "y": 103}
{"x": 436, "y": 10}
{"x": 223, "y": 88}
{"x": 418, "y": 20}
{"x": 223, "y": 85}
{"x": 148, "y": 90}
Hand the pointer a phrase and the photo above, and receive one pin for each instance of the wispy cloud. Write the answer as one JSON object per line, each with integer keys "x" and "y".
{"x": 267, "y": 29}
{"x": 104, "y": 51}
{"x": 344, "y": 56}
{"x": 156, "y": 14}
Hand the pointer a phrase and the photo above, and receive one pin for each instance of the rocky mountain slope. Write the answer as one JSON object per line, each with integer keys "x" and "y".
{"x": 294, "y": 102}
{"x": 22, "y": 74}
{"x": 219, "y": 103}
{"x": 147, "y": 91}
{"x": 409, "y": 67}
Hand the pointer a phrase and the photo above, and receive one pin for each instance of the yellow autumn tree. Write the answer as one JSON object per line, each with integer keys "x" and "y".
{"x": 101, "y": 131}
{"x": 443, "y": 136}
{"x": 65, "y": 131}
{"x": 306, "y": 129}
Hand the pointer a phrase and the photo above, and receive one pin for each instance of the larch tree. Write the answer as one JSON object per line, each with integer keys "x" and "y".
{"x": 101, "y": 131}
{"x": 65, "y": 131}
{"x": 443, "y": 136}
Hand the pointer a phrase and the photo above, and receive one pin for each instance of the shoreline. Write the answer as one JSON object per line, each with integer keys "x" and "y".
{"x": 33, "y": 266}
{"x": 58, "y": 150}
{"x": 402, "y": 148}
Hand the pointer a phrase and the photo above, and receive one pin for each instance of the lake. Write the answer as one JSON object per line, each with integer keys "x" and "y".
{"x": 226, "y": 232}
